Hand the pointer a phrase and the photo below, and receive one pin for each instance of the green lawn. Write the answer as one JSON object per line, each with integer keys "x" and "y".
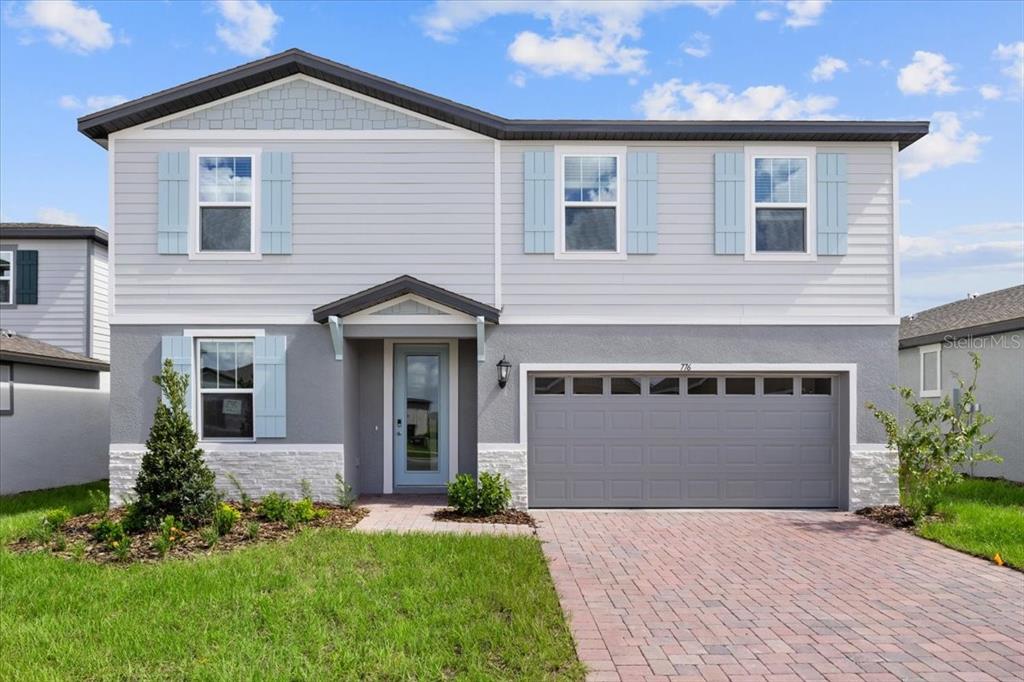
{"x": 329, "y": 604}
{"x": 981, "y": 517}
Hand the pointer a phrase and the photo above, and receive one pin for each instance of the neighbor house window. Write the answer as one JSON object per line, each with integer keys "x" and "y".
{"x": 780, "y": 204}
{"x": 225, "y": 195}
{"x": 6, "y": 277}
{"x": 226, "y": 388}
{"x": 591, "y": 205}
{"x": 931, "y": 370}
{"x": 6, "y": 390}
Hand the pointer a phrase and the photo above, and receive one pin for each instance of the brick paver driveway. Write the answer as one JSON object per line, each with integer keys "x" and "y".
{"x": 783, "y": 595}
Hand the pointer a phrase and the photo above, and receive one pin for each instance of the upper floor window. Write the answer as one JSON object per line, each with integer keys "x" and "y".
{"x": 225, "y": 194}
{"x": 226, "y": 389}
{"x": 780, "y": 204}
{"x": 6, "y": 276}
{"x": 590, "y": 216}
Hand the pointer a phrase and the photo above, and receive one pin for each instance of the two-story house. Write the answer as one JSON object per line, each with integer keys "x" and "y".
{"x": 54, "y": 348}
{"x": 363, "y": 278}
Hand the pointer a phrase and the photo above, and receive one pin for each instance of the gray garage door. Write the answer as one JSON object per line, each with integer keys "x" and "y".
{"x": 683, "y": 441}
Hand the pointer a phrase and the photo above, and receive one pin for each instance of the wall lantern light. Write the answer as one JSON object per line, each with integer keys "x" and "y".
{"x": 504, "y": 367}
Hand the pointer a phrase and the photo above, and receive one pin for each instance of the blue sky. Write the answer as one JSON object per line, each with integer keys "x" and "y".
{"x": 960, "y": 65}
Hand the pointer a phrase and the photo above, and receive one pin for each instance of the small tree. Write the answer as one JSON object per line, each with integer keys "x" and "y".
{"x": 174, "y": 479}
{"x": 935, "y": 441}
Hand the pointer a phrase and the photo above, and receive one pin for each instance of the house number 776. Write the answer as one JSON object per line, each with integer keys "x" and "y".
{"x": 684, "y": 367}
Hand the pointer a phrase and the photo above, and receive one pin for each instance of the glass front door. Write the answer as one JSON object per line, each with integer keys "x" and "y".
{"x": 421, "y": 415}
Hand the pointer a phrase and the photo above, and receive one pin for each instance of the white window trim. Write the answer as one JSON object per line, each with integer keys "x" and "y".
{"x": 810, "y": 252}
{"x": 921, "y": 352}
{"x": 10, "y": 276}
{"x": 198, "y": 390}
{"x": 620, "y": 205}
{"x": 194, "y": 252}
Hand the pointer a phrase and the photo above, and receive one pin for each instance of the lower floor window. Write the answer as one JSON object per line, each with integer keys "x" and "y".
{"x": 226, "y": 388}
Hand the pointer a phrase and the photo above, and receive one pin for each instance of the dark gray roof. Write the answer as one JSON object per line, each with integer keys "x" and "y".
{"x": 400, "y": 286}
{"x": 52, "y": 231}
{"x": 17, "y": 348}
{"x": 99, "y": 125}
{"x": 991, "y": 313}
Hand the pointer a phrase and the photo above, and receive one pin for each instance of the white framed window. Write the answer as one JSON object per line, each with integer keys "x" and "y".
{"x": 930, "y": 359}
{"x": 225, "y": 389}
{"x": 225, "y": 196}
{"x": 6, "y": 389}
{"x": 7, "y": 277}
{"x": 589, "y": 192}
{"x": 780, "y": 216}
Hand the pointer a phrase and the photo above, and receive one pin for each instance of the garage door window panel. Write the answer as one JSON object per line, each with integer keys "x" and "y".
{"x": 664, "y": 386}
{"x": 549, "y": 385}
{"x": 740, "y": 386}
{"x": 702, "y": 386}
{"x": 625, "y": 385}
{"x": 816, "y": 386}
{"x": 588, "y": 385}
{"x": 778, "y": 386}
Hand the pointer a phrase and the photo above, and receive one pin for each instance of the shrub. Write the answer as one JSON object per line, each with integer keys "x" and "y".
{"x": 491, "y": 496}
{"x": 343, "y": 491}
{"x": 107, "y": 531}
{"x": 173, "y": 478}
{"x": 225, "y": 518}
{"x": 209, "y": 536}
{"x": 495, "y": 494}
{"x": 252, "y": 530}
{"x": 307, "y": 489}
{"x": 244, "y": 499}
{"x": 275, "y": 507}
{"x": 55, "y": 519}
{"x": 305, "y": 512}
{"x": 122, "y": 548}
{"x": 169, "y": 535}
{"x": 934, "y": 442}
{"x": 78, "y": 550}
{"x": 99, "y": 502}
{"x": 60, "y": 542}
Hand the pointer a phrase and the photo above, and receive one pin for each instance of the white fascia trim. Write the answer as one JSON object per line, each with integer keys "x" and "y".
{"x": 134, "y": 131}
{"x": 619, "y": 152}
{"x": 525, "y": 369}
{"x": 111, "y": 238}
{"x": 287, "y": 135}
{"x": 811, "y": 232}
{"x": 224, "y": 332}
{"x": 388, "y": 432}
{"x": 921, "y": 351}
{"x": 895, "y": 229}
{"x": 787, "y": 321}
{"x": 243, "y": 446}
{"x": 497, "y": 224}
{"x": 211, "y": 319}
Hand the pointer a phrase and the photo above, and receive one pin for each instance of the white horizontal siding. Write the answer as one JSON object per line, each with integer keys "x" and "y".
{"x": 60, "y": 317}
{"x": 100, "y": 303}
{"x": 685, "y": 279}
{"x": 364, "y": 212}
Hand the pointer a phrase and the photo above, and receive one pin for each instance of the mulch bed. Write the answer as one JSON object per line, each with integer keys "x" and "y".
{"x": 77, "y": 532}
{"x": 512, "y": 517}
{"x": 890, "y": 515}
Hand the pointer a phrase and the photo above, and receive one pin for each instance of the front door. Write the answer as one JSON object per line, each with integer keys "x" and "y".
{"x": 421, "y": 415}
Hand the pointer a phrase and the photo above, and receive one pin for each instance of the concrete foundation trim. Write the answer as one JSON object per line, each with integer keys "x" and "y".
{"x": 509, "y": 460}
{"x": 874, "y": 475}
{"x": 260, "y": 468}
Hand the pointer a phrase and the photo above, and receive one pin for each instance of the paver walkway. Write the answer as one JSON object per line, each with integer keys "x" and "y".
{"x": 779, "y": 596}
{"x": 414, "y": 513}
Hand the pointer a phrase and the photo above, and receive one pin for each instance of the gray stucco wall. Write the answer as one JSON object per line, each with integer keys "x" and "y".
{"x": 58, "y": 433}
{"x": 314, "y": 394}
{"x": 298, "y": 105}
{"x": 1000, "y": 391}
{"x": 872, "y": 348}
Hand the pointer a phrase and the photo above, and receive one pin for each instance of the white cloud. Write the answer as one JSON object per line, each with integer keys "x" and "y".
{"x": 64, "y": 24}
{"x": 248, "y": 26}
{"x": 948, "y": 144}
{"x": 827, "y": 68}
{"x": 1013, "y": 56}
{"x": 518, "y": 79}
{"x": 945, "y": 264}
{"x": 674, "y": 99}
{"x": 586, "y": 38}
{"x": 699, "y": 45}
{"x": 57, "y": 216}
{"x": 927, "y": 72}
{"x": 799, "y": 13}
{"x": 91, "y": 103}
{"x": 990, "y": 92}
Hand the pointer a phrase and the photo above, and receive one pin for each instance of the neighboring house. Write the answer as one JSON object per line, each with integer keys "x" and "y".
{"x": 54, "y": 352}
{"x": 936, "y": 346}
{"x": 689, "y": 313}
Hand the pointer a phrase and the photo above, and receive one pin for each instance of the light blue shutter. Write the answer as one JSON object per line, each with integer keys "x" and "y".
{"x": 831, "y": 206}
{"x": 642, "y": 202}
{"x": 276, "y": 202}
{"x": 730, "y": 202}
{"x": 172, "y": 203}
{"x": 270, "y": 386}
{"x": 179, "y": 350}
{"x": 539, "y": 202}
